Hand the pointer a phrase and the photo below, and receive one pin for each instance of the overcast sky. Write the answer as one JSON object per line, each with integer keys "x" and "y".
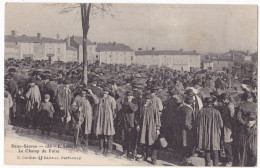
{"x": 205, "y": 28}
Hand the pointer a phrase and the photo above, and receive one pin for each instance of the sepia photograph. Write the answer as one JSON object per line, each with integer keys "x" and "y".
{"x": 130, "y": 84}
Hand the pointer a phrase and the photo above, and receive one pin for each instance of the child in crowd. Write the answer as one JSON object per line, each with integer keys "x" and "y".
{"x": 47, "y": 112}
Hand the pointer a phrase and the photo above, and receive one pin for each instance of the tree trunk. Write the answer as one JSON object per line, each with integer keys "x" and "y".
{"x": 85, "y": 12}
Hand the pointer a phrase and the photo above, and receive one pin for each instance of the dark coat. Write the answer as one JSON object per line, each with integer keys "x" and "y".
{"x": 126, "y": 115}
{"x": 86, "y": 114}
{"x": 105, "y": 115}
{"x": 96, "y": 90}
{"x": 227, "y": 113}
{"x": 140, "y": 102}
{"x": 149, "y": 122}
{"x": 169, "y": 113}
{"x": 186, "y": 125}
{"x": 209, "y": 129}
{"x": 13, "y": 88}
{"x": 245, "y": 109}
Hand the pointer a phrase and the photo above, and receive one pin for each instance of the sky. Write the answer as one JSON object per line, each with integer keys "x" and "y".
{"x": 205, "y": 28}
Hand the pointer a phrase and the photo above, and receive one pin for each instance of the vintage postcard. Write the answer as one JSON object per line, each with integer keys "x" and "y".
{"x": 88, "y": 84}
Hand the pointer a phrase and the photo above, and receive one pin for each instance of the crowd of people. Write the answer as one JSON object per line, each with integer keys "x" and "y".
{"x": 147, "y": 108}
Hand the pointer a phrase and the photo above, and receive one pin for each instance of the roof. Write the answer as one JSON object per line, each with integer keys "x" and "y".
{"x": 70, "y": 48}
{"x": 165, "y": 52}
{"x": 223, "y": 59}
{"x": 112, "y": 47}
{"x": 206, "y": 61}
{"x": 235, "y": 53}
{"x": 79, "y": 40}
{"x": 147, "y": 52}
{"x": 30, "y": 39}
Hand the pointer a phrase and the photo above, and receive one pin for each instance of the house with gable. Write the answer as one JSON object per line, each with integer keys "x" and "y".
{"x": 34, "y": 47}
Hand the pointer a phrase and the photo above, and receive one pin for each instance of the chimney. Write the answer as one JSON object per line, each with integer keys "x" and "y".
{"x": 194, "y": 51}
{"x": 247, "y": 52}
{"x": 13, "y": 32}
{"x": 230, "y": 50}
{"x": 153, "y": 48}
{"x": 95, "y": 43}
{"x": 181, "y": 49}
{"x": 140, "y": 49}
{"x": 58, "y": 36}
{"x": 39, "y": 35}
{"x": 114, "y": 43}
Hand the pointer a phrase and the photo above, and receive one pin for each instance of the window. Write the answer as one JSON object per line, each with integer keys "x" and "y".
{"x": 110, "y": 56}
{"x": 96, "y": 56}
{"x": 132, "y": 58}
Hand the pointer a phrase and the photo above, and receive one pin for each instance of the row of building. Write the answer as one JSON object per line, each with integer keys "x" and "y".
{"x": 70, "y": 50}
{"x": 66, "y": 50}
{"x": 221, "y": 62}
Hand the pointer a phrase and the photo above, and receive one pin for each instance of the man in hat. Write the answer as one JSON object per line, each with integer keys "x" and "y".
{"x": 33, "y": 97}
{"x": 60, "y": 79}
{"x": 113, "y": 88}
{"x": 12, "y": 71}
{"x": 185, "y": 121}
{"x": 106, "y": 106}
{"x": 216, "y": 95}
{"x": 227, "y": 111}
{"x": 97, "y": 90}
{"x": 127, "y": 86}
{"x": 149, "y": 81}
{"x": 63, "y": 111}
{"x": 81, "y": 113}
{"x": 48, "y": 87}
{"x": 94, "y": 88}
{"x": 127, "y": 123}
{"x": 77, "y": 91}
{"x": 244, "y": 111}
{"x": 169, "y": 119}
{"x": 150, "y": 124}
{"x": 197, "y": 105}
{"x": 209, "y": 123}
{"x": 153, "y": 90}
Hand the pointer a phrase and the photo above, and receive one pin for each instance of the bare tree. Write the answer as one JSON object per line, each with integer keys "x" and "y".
{"x": 86, "y": 9}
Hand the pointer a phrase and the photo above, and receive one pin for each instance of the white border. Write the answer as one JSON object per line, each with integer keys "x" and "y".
{"x": 2, "y": 11}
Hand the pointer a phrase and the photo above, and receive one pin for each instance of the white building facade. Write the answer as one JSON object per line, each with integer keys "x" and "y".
{"x": 178, "y": 60}
{"x": 114, "y": 53}
{"x": 34, "y": 47}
